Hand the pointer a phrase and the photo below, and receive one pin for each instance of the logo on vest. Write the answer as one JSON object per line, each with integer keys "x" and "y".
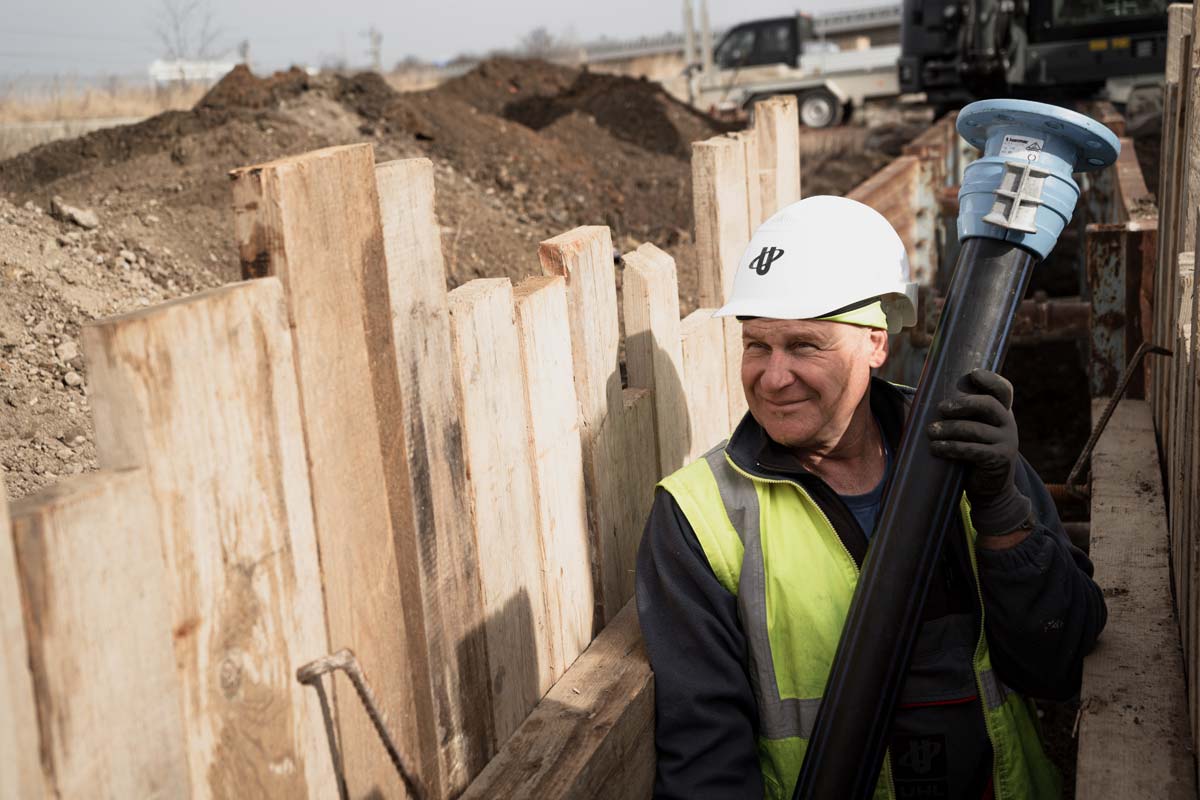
{"x": 763, "y": 261}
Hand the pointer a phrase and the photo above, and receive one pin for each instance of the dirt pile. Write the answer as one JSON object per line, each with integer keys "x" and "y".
{"x": 54, "y": 277}
{"x": 499, "y": 82}
{"x": 632, "y": 110}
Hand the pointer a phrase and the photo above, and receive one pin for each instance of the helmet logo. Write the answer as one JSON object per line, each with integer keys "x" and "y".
{"x": 763, "y": 261}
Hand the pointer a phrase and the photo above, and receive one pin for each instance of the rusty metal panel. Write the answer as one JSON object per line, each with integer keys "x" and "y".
{"x": 1116, "y": 258}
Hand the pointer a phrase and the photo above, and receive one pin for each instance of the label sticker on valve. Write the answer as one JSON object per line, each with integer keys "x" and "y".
{"x": 1026, "y": 147}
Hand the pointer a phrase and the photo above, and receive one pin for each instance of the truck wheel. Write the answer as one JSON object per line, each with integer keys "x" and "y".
{"x": 820, "y": 109}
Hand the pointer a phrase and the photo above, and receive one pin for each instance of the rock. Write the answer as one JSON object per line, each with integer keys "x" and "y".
{"x": 73, "y": 436}
{"x": 73, "y": 378}
{"x": 129, "y": 256}
{"x": 83, "y": 217}
{"x": 66, "y": 351}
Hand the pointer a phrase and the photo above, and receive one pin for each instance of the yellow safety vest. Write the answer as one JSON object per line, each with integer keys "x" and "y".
{"x": 772, "y": 547}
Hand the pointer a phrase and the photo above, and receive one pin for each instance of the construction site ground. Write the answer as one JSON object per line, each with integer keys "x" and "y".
{"x": 523, "y": 150}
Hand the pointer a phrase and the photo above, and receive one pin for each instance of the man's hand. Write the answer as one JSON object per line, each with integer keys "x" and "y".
{"x": 978, "y": 427}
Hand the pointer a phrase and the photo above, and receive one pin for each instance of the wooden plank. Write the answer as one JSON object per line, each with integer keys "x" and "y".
{"x": 653, "y": 354}
{"x": 1179, "y": 22}
{"x": 314, "y": 221}
{"x": 720, "y": 208}
{"x": 593, "y": 734}
{"x": 777, "y": 127}
{"x": 754, "y": 208}
{"x": 552, "y": 418}
{"x": 1176, "y": 451}
{"x": 93, "y": 583}
{"x": 584, "y": 257}
{"x": 20, "y": 765}
{"x": 1181, "y": 484}
{"x": 704, "y": 377}
{"x": 1189, "y": 158}
{"x": 446, "y": 651}
{"x": 633, "y": 461}
{"x": 735, "y": 395}
{"x": 201, "y": 392}
{"x": 1179, "y": 39}
{"x": 488, "y": 358}
{"x": 1134, "y": 200}
{"x": 891, "y": 192}
{"x": 1133, "y": 730}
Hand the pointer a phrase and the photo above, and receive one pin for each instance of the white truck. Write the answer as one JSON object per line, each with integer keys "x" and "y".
{"x": 782, "y": 55}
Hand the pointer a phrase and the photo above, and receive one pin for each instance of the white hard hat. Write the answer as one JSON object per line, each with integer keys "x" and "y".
{"x": 819, "y": 256}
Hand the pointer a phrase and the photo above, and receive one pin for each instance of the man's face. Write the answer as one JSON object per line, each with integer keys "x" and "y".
{"x": 804, "y": 378}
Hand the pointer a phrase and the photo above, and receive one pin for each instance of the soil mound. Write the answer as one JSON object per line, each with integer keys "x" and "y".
{"x": 632, "y": 110}
{"x": 497, "y": 82}
{"x": 240, "y": 88}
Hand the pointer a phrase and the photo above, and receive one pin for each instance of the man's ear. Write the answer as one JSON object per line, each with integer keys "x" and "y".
{"x": 877, "y": 347}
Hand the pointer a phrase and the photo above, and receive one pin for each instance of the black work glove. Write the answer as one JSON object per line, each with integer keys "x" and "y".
{"x": 978, "y": 427}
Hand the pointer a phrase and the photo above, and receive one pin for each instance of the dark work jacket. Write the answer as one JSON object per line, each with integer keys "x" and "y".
{"x": 1043, "y": 614}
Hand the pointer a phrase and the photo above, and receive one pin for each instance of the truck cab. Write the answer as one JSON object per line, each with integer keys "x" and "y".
{"x": 783, "y": 55}
{"x": 779, "y": 40}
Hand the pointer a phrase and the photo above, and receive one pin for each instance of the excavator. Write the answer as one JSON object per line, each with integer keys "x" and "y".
{"x": 955, "y": 51}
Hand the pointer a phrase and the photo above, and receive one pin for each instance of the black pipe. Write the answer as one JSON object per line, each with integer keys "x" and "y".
{"x": 846, "y": 750}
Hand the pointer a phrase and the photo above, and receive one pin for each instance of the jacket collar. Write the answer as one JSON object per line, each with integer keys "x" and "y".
{"x": 754, "y": 452}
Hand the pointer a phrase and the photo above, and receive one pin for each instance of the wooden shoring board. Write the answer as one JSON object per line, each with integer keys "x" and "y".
{"x": 1181, "y": 483}
{"x": 633, "y": 459}
{"x": 1174, "y": 447}
{"x": 1188, "y": 433}
{"x": 487, "y": 356}
{"x": 592, "y": 736}
{"x": 892, "y": 192}
{"x": 201, "y": 393}
{"x": 1189, "y": 153}
{"x": 722, "y": 220}
{"x": 436, "y": 549}
{"x": 20, "y": 764}
{"x": 314, "y": 221}
{"x": 556, "y": 453}
{"x": 1133, "y": 729}
{"x": 704, "y": 376}
{"x": 653, "y": 353}
{"x": 754, "y": 208}
{"x": 93, "y": 589}
{"x": 1179, "y": 23}
{"x": 777, "y": 127}
{"x": 1134, "y": 200}
{"x": 736, "y": 396}
{"x": 584, "y": 257}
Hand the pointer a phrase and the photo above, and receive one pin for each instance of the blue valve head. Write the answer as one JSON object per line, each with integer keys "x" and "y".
{"x": 1021, "y": 189}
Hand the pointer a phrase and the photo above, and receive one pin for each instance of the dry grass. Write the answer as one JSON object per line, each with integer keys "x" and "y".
{"x": 69, "y": 101}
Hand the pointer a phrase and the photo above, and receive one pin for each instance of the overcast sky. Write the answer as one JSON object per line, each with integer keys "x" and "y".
{"x": 106, "y": 37}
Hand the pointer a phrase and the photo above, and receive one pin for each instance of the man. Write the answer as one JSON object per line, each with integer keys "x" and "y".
{"x": 751, "y": 554}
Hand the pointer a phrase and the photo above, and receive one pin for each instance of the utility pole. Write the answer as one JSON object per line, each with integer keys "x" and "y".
{"x": 689, "y": 51}
{"x": 375, "y": 48}
{"x": 706, "y": 43}
{"x": 689, "y": 34}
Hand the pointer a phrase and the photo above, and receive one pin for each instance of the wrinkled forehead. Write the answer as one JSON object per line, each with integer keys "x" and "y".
{"x": 765, "y": 328}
